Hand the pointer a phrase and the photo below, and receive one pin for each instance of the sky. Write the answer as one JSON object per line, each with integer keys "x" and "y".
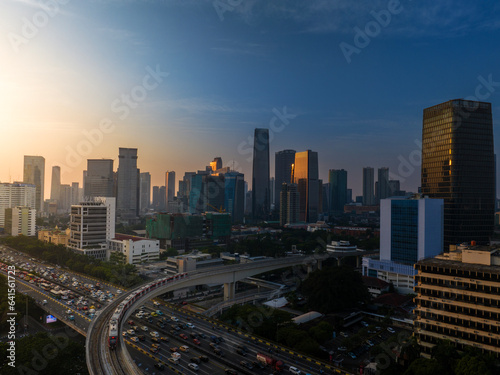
{"x": 184, "y": 81}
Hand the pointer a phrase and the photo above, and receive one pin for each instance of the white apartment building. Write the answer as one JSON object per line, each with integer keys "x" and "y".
{"x": 16, "y": 194}
{"x": 136, "y": 249}
{"x": 20, "y": 220}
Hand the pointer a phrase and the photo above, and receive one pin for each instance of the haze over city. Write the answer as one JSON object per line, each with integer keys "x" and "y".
{"x": 223, "y": 71}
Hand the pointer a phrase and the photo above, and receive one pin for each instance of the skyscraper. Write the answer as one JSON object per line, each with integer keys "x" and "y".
{"x": 289, "y": 205}
{"x": 384, "y": 190}
{"x": 283, "y": 161}
{"x": 260, "y": 175}
{"x": 170, "y": 186}
{"x": 368, "y": 183}
{"x": 99, "y": 178}
{"x": 34, "y": 173}
{"x": 127, "y": 184}
{"x": 338, "y": 190}
{"x": 308, "y": 185}
{"x": 145, "y": 191}
{"x": 234, "y": 195}
{"x": 55, "y": 186}
{"x": 16, "y": 194}
{"x": 216, "y": 163}
{"x": 458, "y": 165}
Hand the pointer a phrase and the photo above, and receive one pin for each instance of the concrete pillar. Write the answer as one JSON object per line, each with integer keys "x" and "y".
{"x": 320, "y": 264}
{"x": 357, "y": 262}
{"x": 229, "y": 291}
{"x": 339, "y": 261}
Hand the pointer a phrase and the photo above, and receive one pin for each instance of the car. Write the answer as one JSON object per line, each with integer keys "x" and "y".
{"x": 156, "y": 303}
{"x": 130, "y": 323}
{"x": 193, "y": 366}
{"x": 203, "y": 358}
{"x": 352, "y": 355}
{"x": 202, "y": 335}
{"x": 230, "y": 371}
{"x": 294, "y": 370}
{"x": 343, "y": 334}
{"x": 221, "y": 339}
{"x": 391, "y": 330}
{"x": 144, "y": 328}
{"x": 155, "y": 334}
{"x": 175, "y": 361}
{"x": 219, "y": 352}
{"x": 173, "y": 349}
{"x": 155, "y": 339}
{"x": 184, "y": 303}
{"x": 155, "y": 346}
{"x": 141, "y": 337}
{"x": 193, "y": 335}
{"x": 150, "y": 320}
{"x": 370, "y": 343}
{"x": 159, "y": 312}
{"x": 342, "y": 348}
{"x": 173, "y": 318}
{"x": 197, "y": 342}
{"x": 134, "y": 339}
{"x": 159, "y": 366}
{"x": 154, "y": 314}
{"x": 246, "y": 364}
{"x": 364, "y": 324}
{"x": 195, "y": 360}
{"x": 124, "y": 334}
{"x": 130, "y": 331}
{"x": 241, "y": 352}
{"x": 190, "y": 325}
{"x": 184, "y": 348}
{"x": 153, "y": 350}
{"x": 163, "y": 338}
{"x": 183, "y": 336}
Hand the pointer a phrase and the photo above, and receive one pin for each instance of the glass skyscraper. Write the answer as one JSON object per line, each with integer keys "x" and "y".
{"x": 337, "y": 178}
{"x": 34, "y": 173}
{"x": 234, "y": 195}
{"x": 458, "y": 165}
{"x": 306, "y": 178}
{"x": 283, "y": 161}
{"x": 99, "y": 179}
{"x": 261, "y": 202}
{"x": 368, "y": 183}
{"x": 127, "y": 200}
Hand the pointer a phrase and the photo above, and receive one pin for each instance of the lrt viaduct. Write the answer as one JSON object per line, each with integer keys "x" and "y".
{"x": 102, "y": 361}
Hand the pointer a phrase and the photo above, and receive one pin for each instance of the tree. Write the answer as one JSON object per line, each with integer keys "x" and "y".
{"x": 470, "y": 365}
{"x": 424, "y": 366}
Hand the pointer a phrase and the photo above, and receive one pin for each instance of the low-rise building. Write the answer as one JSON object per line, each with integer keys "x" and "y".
{"x": 136, "y": 249}
{"x": 54, "y": 236}
{"x": 458, "y": 299}
{"x": 191, "y": 262}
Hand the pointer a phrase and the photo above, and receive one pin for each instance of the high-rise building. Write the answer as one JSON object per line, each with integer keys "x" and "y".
{"x": 271, "y": 191}
{"x": 64, "y": 203}
{"x": 145, "y": 191}
{"x": 395, "y": 189}
{"x": 16, "y": 194}
{"x": 308, "y": 186}
{"x": 162, "y": 199}
{"x": 55, "y": 187}
{"x": 261, "y": 200}
{"x": 234, "y": 195}
{"x": 289, "y": 205}
{"x": 458, "y": 166}
{"x": 338, "y": 190}
{"x": 156, "y": 198}
{"x": 34, "y": 173}
{"x": 216, "y": 164}
{"x": 170, "y": 186}
{"x": 127, "y": 185}
{"x": 411, "y": 228}
{"x": 368, "y": 184}
{"x": 458, "y": 300}
{"x": 99, "y": 178}
{"x": 20, "y": 220}
{"x": 92, "y": 225}
{"x": 383, "y": 190}
{"x": 283, "y": 161}
{"x": 75, "y": 193}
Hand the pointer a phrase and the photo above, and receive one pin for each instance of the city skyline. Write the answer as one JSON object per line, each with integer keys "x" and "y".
{"x": 279, "y": 66}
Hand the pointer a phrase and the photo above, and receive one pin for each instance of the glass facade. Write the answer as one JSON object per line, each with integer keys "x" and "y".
{"x": 458, "y": 166}
{"x": 261, "y": 199}
{"x": 283, "y": 162}
{"x": 306, "y": 178}
{"x": 404, "y": 231}
{"x": 338, "y": 189}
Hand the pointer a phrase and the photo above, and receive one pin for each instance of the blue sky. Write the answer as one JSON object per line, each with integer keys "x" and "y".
{"x": 231, "y": 72}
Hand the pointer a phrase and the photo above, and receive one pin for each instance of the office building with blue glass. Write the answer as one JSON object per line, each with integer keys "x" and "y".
{"x": 411, "y": 229}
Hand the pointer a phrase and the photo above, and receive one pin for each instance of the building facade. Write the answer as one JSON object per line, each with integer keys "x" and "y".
{"x": 137, "y": 250}
{"x": 458, "y": 299}
{"x": 368, "y": 185}
{"x": 16, "y": 194}
{"x": 261, "y": 200}
{"x": 34, "y": 173}
{"x": 308, "y": 185}
{"x": 458, "y": 166}
{"x": 99, "y": 179}
{"x": 234, "y": 195}
{"x": 20, "y": 220}
{"x": 169, "y": 186}
{"x": 283, "y": 161}
{"x": 145, "y": 192}
{"x": 337, "y": 178}
{"x": 127, "y": 198}
{"x": 55, "y": 187}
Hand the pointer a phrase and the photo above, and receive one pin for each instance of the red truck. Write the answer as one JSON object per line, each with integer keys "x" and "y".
{"x": 270, "y": 361}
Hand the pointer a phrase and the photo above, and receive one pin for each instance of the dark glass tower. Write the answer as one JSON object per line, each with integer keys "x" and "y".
{"x": 261, "y": 203}
{"x": 338, "y": 190}
{"x": 458, "y": 165}
{"x": 283, "y": 161}
{"x": 306, "y": 178}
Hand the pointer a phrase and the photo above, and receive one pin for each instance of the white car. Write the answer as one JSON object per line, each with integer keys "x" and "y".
{"x": 131, "y": 332}
{"x": 190, "y": 325}
{"x": 144, "y": 328}
{"x": 193, "y": 366}
{"x": 155, "y": 334}
{"x": 294, "y": 370}
{"x": 173, "y": 318}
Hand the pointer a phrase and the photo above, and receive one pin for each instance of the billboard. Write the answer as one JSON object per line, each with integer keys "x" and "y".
{"x": 50, "y": 319}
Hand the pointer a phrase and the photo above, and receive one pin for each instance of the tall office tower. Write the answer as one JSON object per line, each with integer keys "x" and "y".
{"x": 261, "y": 200}
{"x": 271, "y": 191}
{"x": 92, "y": 225}
{"x": 216, "y": 164}
{"x": 384, "y": 190}
{"x": 20, "y": 220}
{"x": 289, "y": 205}
{"x": 64, "y": 203}
{"x": 156, "y": 198}
{"x": 308, "y": 186}
{"x": 213, "y": 192}
{"x": 326, "y": 198}
{"x": 338, "y": 190}
{"x": 162, "y": 199}
{"x": 368, "y": 196}
{"x": 16, "y": 194}
{"x": 349, "y": 195}
{"x": 197, "y": 204}
{"x": 34, "y": 173}
{"x": 170, "y": 186}
{"x": 75, "y": 193}
{"x": 145, "y": 192}
{"x": 55, "y": 187}
{"x": 458, "y": 165}
{"x": 99, "y": 179}
{"x": 127, "y": 184}
{"x": 234, "y": 195}
{"x": 283, "y": 161}
{"x": 394, "y": 188}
